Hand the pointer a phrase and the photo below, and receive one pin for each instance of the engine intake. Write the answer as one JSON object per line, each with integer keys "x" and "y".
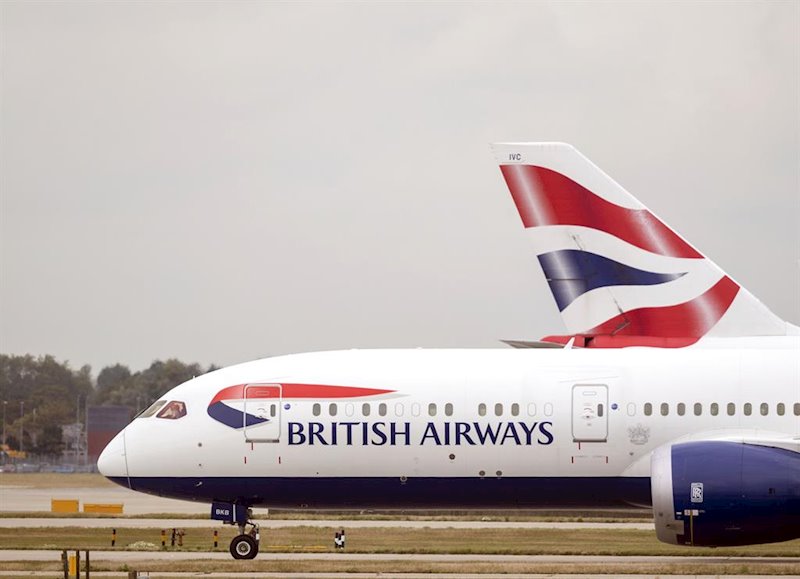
{"x": 720, "y": 493}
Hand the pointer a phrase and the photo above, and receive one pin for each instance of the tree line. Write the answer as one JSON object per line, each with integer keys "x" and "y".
{"x": 39, "y": 394}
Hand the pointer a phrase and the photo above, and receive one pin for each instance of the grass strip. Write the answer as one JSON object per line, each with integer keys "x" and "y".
{"x": 263, "y": 565}
{"x": 513, "y": 541}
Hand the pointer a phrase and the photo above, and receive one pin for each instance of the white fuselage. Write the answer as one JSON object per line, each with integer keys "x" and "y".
{"x": 465, "y": 414}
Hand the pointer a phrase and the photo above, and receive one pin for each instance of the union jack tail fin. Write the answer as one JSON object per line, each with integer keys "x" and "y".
{"x": 618, "y": 274}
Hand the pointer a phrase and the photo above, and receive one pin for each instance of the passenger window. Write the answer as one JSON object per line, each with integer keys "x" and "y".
{"x": 714, "y": 409}
{"x": 748, "y": 409}
{"x": 152, "y": 409}
{"x": 398, "y": 409}
{"x": 664, "y": 409}
{"x": 780, "y": 409}
{"x": 698, "y": 409}
{"x": 332, "y": 410}
{"x": 415, "y": 409}
{"x": 316, "y": 410}
{"x": 173, "y": 410}
{"x": 532, "y": 409}
{"x": 515, "y": 409}
{"x": 631, "y": 409}
{"x": 365, "y": 409}
{"x": 764, "y": 409}
{"x": 349, "y": 409}
{"x": 648, "y": 409}
{"x": 431, "y": 409}
{"x": 448, "y": 409}
{"x": 681, "y": 408}
{"x": 382, "y": 409}
{"x": 731, "y": 408}
{"x": 797, "y": 408}
{"x": 498, "y": 409}
{"x": 481, "y": 409}
{"x": 273, "y": 410}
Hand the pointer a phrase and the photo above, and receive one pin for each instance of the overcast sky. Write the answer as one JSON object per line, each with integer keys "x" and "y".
{"x": 222, "y": 182}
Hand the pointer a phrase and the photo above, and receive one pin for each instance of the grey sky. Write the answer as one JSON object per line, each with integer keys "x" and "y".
{"x": 220, "y": 182}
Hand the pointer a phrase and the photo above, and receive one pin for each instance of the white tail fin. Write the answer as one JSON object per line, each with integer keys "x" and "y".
{"x": 618, "y": 274}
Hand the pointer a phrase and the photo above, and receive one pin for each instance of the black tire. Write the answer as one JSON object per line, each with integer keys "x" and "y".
{"x": 244, "y": 547}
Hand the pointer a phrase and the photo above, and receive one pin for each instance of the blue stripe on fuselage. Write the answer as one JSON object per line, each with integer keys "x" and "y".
{"x": 231, "y": 417}
{"x": 392, "y": 492}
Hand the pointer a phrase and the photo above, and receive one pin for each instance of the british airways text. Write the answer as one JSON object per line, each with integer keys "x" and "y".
{"x": 400, "y": 433}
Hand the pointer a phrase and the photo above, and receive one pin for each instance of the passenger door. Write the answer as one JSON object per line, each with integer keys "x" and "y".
{"x": 590, "y": 413}
{"x": 262, "y": 412}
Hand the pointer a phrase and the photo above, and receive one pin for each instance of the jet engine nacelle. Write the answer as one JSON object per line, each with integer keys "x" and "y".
{"x": 721, "y": 493}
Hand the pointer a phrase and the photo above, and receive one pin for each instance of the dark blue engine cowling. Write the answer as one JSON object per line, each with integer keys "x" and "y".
{"x": 726, "y": 493}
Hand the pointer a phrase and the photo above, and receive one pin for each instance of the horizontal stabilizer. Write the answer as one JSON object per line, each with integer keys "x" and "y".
{"x": 523, "y": 344}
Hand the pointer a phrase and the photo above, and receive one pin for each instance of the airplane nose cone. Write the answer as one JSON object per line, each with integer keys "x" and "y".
{"x": 112, "y": 462}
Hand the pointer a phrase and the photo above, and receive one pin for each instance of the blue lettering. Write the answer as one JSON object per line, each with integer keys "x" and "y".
{"x": 379, "y": 431}
{"x": 511, "y": 432}
{"x": 315, "y": 431}
{"x": 430, "y": 432}
{"x": 296, "y": 431}
{"x": 462, "y": 429}
{"x": 399, "y": 434}
{"x": 548, "y": 435}
{"x": 488, "y": 433}
{"x": 349, "y": 427}
{"x": 395, "y": 432}
{"x": 528, "y": 431}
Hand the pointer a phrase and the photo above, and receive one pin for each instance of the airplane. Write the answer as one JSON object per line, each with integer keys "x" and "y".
{"x": 673, "y": 387}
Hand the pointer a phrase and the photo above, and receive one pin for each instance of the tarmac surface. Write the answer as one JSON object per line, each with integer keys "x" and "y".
{"x": 20, "y": 499}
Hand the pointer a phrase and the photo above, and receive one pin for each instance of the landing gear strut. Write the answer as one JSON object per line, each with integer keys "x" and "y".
{"x": 245, "y": 544}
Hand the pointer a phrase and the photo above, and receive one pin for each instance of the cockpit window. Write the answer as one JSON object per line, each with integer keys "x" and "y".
{"x": 152, "y": 409}
{"x": 173, "y": 410}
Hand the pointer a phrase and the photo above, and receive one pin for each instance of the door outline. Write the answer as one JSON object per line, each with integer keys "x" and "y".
{"x": 263, "y": 401}
{"x": 590, "y": 413}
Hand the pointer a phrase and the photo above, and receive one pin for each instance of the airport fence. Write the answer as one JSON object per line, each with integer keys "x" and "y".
{"x": 48, "y": 464}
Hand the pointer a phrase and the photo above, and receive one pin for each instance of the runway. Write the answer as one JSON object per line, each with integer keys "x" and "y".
{"x": 23, "y": 499}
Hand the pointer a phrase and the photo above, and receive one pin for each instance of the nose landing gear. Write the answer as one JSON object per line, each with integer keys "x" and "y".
{"x": 245, "y": 545}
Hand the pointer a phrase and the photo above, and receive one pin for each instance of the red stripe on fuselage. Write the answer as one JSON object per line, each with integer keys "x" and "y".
{"x": 545, "y": 197}
{"x": 300, "y": 391}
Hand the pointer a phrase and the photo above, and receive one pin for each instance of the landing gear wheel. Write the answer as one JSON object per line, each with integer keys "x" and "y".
{"x": 244, "y": 547}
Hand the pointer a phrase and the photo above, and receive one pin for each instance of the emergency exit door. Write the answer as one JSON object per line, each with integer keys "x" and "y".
{"x": 262, "y": 412}
{"x": 590, "y": 413}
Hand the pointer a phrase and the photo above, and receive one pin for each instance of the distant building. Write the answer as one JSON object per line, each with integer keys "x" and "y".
{"x": 74, "y": 443}
{"x": 102, "y": 424}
